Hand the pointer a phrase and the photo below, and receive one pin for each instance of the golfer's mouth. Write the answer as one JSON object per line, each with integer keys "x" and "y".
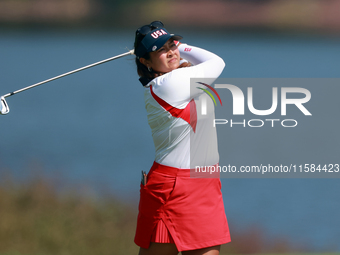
{"x": 173, "y": 60}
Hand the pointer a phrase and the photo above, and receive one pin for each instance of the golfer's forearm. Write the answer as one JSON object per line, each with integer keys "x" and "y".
{"x": 197, "y": 55}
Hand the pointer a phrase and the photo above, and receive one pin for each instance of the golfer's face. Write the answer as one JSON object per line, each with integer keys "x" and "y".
{"x": 166, "y": 58}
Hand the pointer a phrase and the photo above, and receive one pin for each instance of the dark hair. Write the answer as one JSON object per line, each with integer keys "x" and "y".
{"x": 142, "y": 70}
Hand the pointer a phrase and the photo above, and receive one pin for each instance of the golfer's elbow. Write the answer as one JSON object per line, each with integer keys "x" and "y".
{"x": 220, "y": 64}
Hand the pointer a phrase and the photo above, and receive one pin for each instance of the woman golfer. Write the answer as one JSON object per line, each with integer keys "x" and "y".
{"x": 178, "y": 212}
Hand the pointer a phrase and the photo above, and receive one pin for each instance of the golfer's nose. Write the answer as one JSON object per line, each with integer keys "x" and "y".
{"x": 170, "y": 52}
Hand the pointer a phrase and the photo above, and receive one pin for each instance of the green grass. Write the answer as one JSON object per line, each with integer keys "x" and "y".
{"x": 35, "y": 219}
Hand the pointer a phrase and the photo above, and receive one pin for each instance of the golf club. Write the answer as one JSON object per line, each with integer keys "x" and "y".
{"x": 4, "y": 109}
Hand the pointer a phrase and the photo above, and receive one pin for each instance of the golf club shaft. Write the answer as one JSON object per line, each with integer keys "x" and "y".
{"x": 68, "y": 73}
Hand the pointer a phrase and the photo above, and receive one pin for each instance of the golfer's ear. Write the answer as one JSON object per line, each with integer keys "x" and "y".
{"x": 143, "y": 61}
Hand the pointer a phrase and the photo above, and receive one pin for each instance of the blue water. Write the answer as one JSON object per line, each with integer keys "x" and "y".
{"x": 90, "y": 130}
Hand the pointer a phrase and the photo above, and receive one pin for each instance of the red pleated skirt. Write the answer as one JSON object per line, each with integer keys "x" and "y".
{"x": 176, "y": 208}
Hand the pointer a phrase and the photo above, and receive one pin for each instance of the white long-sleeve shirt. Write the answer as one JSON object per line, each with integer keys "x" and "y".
{"x": 183, "y": 137}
